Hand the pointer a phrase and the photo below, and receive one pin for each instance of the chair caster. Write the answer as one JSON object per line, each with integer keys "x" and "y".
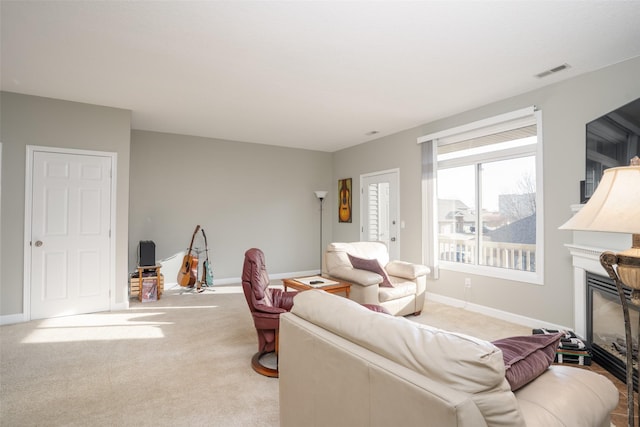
{"x": 260, "y": 368}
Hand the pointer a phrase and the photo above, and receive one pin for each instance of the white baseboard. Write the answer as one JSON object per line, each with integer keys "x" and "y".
{"x": 9, "y": 319}
{"x": 19, "y": 318}
{"x": 494, "y": 312}
{"x": 236, "y": 280}
{"x": 120, "y": 306}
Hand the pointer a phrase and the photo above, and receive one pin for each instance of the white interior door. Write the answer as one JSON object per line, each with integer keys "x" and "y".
{"x": 70, "y": 234}
{"x": 380, "y": 212}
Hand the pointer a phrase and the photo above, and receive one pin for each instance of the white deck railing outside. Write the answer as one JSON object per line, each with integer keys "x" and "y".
{"x": 514, "y": 256}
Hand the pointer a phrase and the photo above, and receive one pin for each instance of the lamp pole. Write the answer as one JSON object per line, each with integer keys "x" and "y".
{"x": 321, "y": 195}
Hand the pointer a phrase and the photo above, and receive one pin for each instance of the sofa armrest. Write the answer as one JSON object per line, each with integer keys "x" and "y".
{"x": 356, "y": 276}
{"x": 406, "y": 270}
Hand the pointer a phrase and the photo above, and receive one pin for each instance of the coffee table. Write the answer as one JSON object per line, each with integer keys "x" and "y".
{"x": 333, "y": 288}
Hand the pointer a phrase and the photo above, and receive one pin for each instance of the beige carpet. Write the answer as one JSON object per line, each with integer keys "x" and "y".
{"x": 467, "y": 322}
{"x": 183, "y": 360}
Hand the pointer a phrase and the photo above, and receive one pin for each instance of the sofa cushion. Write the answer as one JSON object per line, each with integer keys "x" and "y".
{"x": 527, "y": 357}
{"x": 464, "y": 363}
{"x": 401, "y": 288}
{"x": 568, "y": 396}
{"x": 372, "y": 265}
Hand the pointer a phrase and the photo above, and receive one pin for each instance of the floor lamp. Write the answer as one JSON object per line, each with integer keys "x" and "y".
{"x": 615, "y": 207}
{"x": 321, "y": 195}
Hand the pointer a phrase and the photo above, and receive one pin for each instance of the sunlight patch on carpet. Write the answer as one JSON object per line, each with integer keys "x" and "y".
{"x": 97, "y": 327}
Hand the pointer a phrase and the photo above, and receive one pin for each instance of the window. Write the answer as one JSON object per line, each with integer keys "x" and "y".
{"x": 481, "y": 191}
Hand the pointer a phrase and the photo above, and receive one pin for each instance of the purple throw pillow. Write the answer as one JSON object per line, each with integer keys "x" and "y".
{"x": 527, "y": 357}
{"x": 371, "y": 265}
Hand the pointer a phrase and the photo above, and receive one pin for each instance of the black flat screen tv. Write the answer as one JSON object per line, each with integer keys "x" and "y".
{"x": 612, "y": 140}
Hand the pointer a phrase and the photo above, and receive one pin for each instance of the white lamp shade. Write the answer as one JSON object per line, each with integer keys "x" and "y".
{"x": 321, "y": 194}
{"x": 614, "y": 206}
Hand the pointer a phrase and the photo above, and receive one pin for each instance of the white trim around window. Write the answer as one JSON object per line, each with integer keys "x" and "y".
{"x": 482, "y": 128}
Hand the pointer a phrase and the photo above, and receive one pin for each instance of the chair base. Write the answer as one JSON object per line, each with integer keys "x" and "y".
{"x": 260, "y": 368}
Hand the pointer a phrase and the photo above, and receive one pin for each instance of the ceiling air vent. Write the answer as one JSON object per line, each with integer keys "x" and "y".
{"x": 553, "y": 70}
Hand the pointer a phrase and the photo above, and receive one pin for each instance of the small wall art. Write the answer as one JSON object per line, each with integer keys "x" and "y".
{"x": 344, "y": 201}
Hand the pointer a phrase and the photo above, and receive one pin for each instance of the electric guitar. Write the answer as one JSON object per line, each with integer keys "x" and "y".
{"x": 188, "y": 273}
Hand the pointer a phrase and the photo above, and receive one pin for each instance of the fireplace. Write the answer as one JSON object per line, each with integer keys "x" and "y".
{"x": 599, "y": 297}
{"x": 605, "y": 326}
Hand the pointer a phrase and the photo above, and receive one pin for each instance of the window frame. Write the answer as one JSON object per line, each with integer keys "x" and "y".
{"x": 430, "y": 204}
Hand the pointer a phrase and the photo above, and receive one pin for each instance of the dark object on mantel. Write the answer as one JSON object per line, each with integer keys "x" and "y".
{"x": 612, "y": 140}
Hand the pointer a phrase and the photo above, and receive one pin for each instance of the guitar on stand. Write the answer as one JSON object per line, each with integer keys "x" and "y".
{"x": 188, "y": 273}
{"x": 207, "y": 271}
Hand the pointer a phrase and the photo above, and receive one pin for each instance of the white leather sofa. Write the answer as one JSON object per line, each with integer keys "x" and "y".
{"x": 344, "y": 365}
{"x": 408, "y": 281}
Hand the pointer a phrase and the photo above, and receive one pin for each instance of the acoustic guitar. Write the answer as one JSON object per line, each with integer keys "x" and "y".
{"x": 345, "y": 210}
{"x": 188, "y": 273}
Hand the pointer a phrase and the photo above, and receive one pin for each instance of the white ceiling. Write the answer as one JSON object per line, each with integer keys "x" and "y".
{"x": 310, "y": 74}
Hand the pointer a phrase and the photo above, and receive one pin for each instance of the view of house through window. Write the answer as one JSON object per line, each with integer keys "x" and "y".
{"x": 486, "y": 197}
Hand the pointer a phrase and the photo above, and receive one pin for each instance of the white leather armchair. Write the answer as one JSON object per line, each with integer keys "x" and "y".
{"x": 404, "y": 295}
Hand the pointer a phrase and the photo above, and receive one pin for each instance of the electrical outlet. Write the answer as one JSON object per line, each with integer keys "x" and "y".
{"x": 467, "y": 283}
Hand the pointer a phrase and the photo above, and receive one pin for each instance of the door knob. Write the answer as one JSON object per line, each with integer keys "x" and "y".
{"x": 38, "y": 243}
{"x": 393, "y": 239}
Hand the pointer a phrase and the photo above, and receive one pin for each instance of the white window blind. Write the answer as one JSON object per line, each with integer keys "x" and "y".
{"x": 492, "y": 125}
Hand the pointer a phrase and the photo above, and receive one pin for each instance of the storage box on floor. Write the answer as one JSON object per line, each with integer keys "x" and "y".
{"x": 134, "y": 284}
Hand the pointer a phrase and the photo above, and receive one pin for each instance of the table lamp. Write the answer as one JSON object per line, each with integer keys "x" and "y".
{"x": 615, "y": 207}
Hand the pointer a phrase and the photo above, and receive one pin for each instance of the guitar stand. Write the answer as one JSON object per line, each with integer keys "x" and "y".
{"x": 199, "y": 285}
{"x": 195, "y": 289}
{"x": 203, "y": 286}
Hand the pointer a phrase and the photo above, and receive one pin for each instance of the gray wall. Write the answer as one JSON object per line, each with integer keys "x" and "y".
{"x": 29, "y": 120}
{"x": 566, "y": 108}
{"x": 244, "y": 195}
{"x": 396, "y": 151}
{"x": 248, "y": 195}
